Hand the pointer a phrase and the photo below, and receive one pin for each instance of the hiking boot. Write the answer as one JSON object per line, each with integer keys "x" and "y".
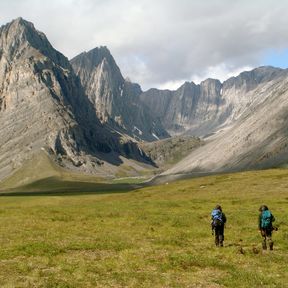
{"x": 264, "y": 246}
{"x": 217, "y": 241}
{"x": 271, "y": 246}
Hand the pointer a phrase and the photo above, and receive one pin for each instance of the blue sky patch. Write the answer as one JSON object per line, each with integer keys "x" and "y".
{"x": 276, "y": 58}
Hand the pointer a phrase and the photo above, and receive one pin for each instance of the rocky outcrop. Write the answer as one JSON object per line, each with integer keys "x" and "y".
{"x": 116, "y": 100}
{"x": 167, "y": 152}
{"x": 44, "y": 107}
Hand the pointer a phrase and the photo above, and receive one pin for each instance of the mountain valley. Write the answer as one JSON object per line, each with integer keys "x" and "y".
{"x": 87, "y": 118}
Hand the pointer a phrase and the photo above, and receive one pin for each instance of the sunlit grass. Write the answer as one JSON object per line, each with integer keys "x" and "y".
{"x": 154, "y": 237}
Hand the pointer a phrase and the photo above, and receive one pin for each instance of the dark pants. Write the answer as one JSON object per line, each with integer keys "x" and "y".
{"x": 219, "y": 235}
{"x": 267, "y": 236}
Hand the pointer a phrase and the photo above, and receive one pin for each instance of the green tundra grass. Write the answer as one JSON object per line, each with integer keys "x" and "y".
{"x": 151, "y": 237}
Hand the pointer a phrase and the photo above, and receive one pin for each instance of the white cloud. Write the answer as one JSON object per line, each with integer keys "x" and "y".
{"x": 160, "y": 43}
{"x": 172, "y": 85}
{"x": 221, "y": 72}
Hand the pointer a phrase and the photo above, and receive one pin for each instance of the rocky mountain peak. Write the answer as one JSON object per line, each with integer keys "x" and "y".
{"x": 248, "y": 80}
{"x": 212, "y": 89}
{"x": 19, "y": 23}
{"x": 210, "y": 82}
{"x": 187, "y": 86}
{"x": 116, "y": 100}
{"x": 186, "y": 90}
{"x": 17, "y": 35}
{"x": 93, "y": 58}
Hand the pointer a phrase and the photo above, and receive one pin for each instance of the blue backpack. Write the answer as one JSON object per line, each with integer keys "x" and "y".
{"x": 217, "y": 219}
{"x": 266, "y": 219}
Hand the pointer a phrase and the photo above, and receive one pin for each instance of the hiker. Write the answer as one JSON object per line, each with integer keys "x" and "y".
{"x": 265, "y": 226}
{"x": 217, "y": 224}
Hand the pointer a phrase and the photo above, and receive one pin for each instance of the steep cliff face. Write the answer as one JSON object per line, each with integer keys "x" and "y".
{"x": 241, "y": 93}
{"x": 101, "y": 78}
{"x": 115, "y": 99}
{"x": 258, "y": 136}
{"x": 31, "y": 109}
{"x": 43, "y": 107}
{"x": 205, "y": 108}
{"x": 190, "y": 108}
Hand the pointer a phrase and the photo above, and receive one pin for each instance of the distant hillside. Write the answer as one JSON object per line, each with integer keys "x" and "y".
{"x": 168, "y": 152}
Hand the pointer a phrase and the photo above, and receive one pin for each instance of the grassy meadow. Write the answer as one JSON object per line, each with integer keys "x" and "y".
{"x": 156, "y": 236}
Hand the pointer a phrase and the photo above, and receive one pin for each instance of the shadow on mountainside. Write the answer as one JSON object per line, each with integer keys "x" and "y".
{"x": 98, "y": 140}
{"x": 55, "y": 186}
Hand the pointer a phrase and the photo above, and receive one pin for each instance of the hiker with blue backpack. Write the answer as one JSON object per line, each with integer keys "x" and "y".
{"x": 265, "y": 226}
{"x": 217, "y": 224}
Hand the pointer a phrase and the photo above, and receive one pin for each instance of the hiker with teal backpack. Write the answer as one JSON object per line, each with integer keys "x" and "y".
{"x": 265, "y": 226}
{"x": 217, "y": 225}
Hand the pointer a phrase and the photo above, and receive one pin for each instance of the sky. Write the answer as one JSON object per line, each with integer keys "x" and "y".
{"x": 163, "y": 43}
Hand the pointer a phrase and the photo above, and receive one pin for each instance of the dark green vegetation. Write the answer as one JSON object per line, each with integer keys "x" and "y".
{"x": 41, "y": 175}
{"x": 169, "y": 151}
{"x": 153, "y": 237}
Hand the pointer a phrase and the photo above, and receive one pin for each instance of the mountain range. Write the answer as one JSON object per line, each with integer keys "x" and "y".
{"x": 44, "y": 108}
{"x": 87, "y": 117}
{"x": 205, "y": 108}
{"x": 243, "y": 120}
{"x": 254, "y": 136}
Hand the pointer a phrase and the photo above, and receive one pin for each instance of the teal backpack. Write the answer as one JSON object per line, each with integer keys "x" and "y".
{"x": 266, "y": 219}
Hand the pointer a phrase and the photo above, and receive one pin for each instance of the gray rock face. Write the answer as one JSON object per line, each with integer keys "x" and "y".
{"x": 257, "y": 136}
{"x": 188, "y": 108}
{"x": 204, "y": 109}
{"x": 43, "y": 107}
{"x": 116, "y": 100}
